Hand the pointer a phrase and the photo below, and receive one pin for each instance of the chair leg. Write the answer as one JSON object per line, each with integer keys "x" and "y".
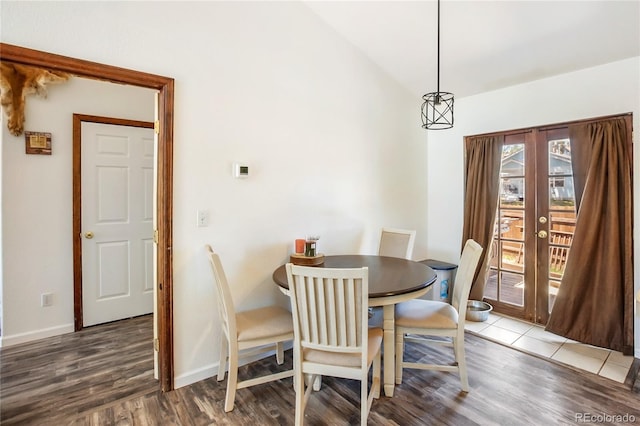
{"x": 317, "y": 383}
{"x": 458, "y": 347}
{"x": 222, "y": 365}
{"x": 399, "y": 355}
{"x": 232, "y": 381}
{"x": 377, "y": 367}
{"x": 279, "y": 353}
{"x": 364, "y": 401}
{"x": 298, "y": 385}
{"x": 303, "y": 392}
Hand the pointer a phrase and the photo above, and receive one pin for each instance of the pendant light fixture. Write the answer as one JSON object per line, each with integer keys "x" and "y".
{"x": 437, "y": 108}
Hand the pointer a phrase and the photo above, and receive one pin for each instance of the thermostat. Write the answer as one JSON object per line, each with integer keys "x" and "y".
{"x": 240, "y": 170}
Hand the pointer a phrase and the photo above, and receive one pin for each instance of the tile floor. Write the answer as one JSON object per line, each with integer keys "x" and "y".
{"x": 534, "y": 339}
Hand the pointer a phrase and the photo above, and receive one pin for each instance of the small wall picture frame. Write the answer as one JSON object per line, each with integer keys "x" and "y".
{"x": 38, "y": 143}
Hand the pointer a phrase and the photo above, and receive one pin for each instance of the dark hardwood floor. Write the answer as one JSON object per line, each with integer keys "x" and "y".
{"x": 58, "y": 377}
{"x": 103, "y": 376}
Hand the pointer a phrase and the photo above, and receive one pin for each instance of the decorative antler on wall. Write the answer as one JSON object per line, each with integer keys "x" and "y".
{"x": 18, "y": 81}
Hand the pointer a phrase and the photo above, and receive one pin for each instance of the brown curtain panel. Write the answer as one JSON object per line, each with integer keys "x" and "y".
{"x": 594, "y": 304}
{"x": 482, "y": 186}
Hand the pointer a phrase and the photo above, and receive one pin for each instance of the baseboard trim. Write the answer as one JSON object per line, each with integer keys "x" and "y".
{"x": 195, "y": 376}
{"x": 16, "y": 339}
{"x": 633, "y": 378}
{"x": 211, "y": 370}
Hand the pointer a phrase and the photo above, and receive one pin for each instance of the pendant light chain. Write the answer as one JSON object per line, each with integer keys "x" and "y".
{"x": 438, "y": 50}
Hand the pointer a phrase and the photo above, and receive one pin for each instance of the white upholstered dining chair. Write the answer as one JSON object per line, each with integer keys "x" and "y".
{"x": 332, "y": 337}
{"x": 397, "y": 242}
{"x": 394, "y": 242}
{"x": 251, "y": 332}
{"x": 417, "y": 318}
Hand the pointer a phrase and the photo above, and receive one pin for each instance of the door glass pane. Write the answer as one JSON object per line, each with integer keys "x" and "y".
{"x": 557, "y": 261}
{"x": 512, "y": 288}
{"x": 512, "y": 256}
{"x": 512, "y": 192}
{"x": 491, "y": 289}
{"x": 512, "y": 224}
{"x": 560, "y": 157}
{"x": 506, "y": 287}
{"x": 553, "y": 292}
{"x": 512, "y": 160}
{"x": 512, "y": 176}
{"x": 561, "y": 192}
{"x": 561, "y": 227}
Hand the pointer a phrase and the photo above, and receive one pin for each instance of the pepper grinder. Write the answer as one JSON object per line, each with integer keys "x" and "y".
{"x": 310, "y": 246}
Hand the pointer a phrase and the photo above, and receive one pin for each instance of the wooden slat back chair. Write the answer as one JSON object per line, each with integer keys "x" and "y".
{"x": 332, "y": 337}
{"x": 394, "y": 242}
{"x": 397, "y": 243}
{"x": 419, "y": 317}
{"x": 256, "y": 331}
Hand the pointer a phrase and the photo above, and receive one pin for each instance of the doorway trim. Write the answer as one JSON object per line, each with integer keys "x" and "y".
{"x": 164, "y": 167}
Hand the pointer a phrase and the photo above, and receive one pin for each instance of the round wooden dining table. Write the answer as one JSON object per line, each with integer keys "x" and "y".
{"x": 391, "y": 280}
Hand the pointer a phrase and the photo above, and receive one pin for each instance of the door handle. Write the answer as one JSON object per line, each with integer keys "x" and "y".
{"x": 88, "y": 235}
{"x": 542, "y": 234}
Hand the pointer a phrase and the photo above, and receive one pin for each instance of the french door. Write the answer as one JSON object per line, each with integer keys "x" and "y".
{"x": 534, "y": 224}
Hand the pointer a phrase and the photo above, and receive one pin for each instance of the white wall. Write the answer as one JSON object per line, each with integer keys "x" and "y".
{"x": 608, "y": 89}
{"x": 37, "y": 204}
{"x": 333, "y": 144}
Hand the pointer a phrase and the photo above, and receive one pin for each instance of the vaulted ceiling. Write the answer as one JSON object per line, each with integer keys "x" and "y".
{"x": 485, "y": 45}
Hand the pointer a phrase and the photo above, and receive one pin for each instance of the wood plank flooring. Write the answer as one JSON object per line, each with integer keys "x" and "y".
{"x": 103, "y": 376}
{"x": 76, "y": 372}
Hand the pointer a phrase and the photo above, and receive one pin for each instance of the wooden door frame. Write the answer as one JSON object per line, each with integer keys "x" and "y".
{"x": 164, "y": 167}
{"x": 78, "y": 119}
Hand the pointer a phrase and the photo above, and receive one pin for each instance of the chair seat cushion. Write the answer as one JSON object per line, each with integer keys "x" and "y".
{"x": 263, "y": 322}
{"x": 346, "y": 359}
{"x": 418, "y": 313}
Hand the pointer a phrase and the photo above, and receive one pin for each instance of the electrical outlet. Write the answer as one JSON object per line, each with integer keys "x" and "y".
{"x": 202, "y": 218}
{"x": 46, "y": 299}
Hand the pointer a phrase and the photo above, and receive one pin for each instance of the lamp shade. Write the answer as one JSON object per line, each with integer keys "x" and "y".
{"x": 437, "y": 111}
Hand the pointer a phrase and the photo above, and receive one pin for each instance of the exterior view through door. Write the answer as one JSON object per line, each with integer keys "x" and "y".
{"x": 117, "y": 222}
{"x": 535, "y": 223}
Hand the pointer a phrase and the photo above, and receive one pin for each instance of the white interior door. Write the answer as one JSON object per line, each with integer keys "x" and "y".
{"x": 117, "y": 222}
